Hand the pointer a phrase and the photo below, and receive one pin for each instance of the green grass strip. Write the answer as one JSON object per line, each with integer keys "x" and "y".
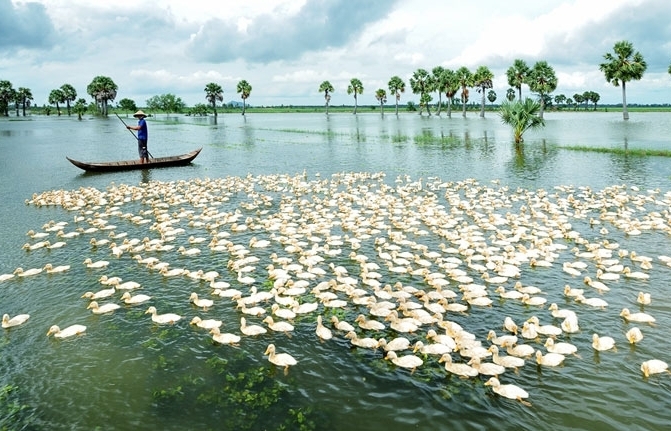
{"x": 639, "y": 152}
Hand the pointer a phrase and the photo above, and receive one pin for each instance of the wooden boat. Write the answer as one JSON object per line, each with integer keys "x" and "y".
{"x": 126, "y": 165}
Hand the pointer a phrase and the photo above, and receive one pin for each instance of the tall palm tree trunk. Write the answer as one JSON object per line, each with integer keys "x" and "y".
{"x": 482, "y": 104}
{"x": 625, "y": 113}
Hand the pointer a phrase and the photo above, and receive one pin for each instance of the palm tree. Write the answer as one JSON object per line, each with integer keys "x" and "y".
{"x": 594, "y": 97}
{"x": 437, "y": 79}
{"x": 522, "y": 116}
{"x": 55, "y": 97}
{"x": 103, "y": 90}
{"x": 24, "y": 96}
{"x": 355, "y": 86}
{"x": 245, "y": 90}
{"x": 214, "y": 93}
{"x": 482, "y": 79}
{"x": 578, "y": 98}
{"x": 7, "y": 95}
{"x": 510, "y": 94}
{"x": 421, "y": 84}
{"x": 381, "y": 96}
{"x": 542, "y": 80}
{"x": 396, "y": 87}
{"x": 517, "y": 75}
{"x": 450, "y": 85}
{"x": 327, "y": 88}
{"x": 491, "y": 96}
{"x": 70, "y": 94}
{"x": 80, "y": 108}
{"x": 560, "y": 99}
{"x": 625, "y": 65}
{"x": 465, "y": 78}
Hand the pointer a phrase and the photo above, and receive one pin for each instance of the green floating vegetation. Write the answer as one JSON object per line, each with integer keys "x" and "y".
{"x": 13, "y": 414}
{"x": 250, "y": 397}
{"x": 431, "y": 139}
{"x": 638, "y": 152}
{"x": 395, "y": 139}
{"x": 305, "y": 132}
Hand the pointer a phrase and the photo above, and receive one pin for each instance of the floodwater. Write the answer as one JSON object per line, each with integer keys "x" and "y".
{"x": 339, "y": 187}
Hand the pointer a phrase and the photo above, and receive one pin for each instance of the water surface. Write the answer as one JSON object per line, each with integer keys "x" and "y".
{"x": 127, "y": 372}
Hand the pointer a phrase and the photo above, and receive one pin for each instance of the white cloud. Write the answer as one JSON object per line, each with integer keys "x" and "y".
{"x": 285, "y": 48}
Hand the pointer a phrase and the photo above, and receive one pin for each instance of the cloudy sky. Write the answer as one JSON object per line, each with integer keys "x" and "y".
{"x": 286, "y": 48}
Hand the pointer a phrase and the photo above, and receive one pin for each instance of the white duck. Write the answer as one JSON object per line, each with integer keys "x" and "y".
{"x": 457, "y": 368}
{"x": 50, "y": 269}
{"x": 5, "y": 277}
{"x": 126, "y": 285}
{"x": 134, "y": 299}
{"x": 95, "y": 265}
{"x": 560, "y": 313}
{"x": 205, "y": 323}
{"x": 592, "y": 302}
{"x": 634, "y": 335}
{"x": 550, "y": 330}
{"x": 431, "y": 349}
{"x": 67, "y": 332}
{"x": 27, "y": 273}
{"x": 654, "y": 366}
{"x": 105, "y": 280}
{"x": 519, "y": 350}
{"x": 486, "y": 368}
{"x": 444, "y": 339}
{"x": 596, "y": 284}
{"x": 505, "y": 361}
{"x": 251, "y": 330}
{"x": 636, "y": 317}
{"x": 512, "y": 392}
{"x": 373, "y": 325}
{"x": 341, "y": 325}
{"x": 224, "y": 338}
{"x": 283, "y": 313}
{"x": 561, "y": 348}
{"x": 500, "y": 340}
{"x": 510, "y": 325}
{"x": 570, "y": 324}
{"x": 549, "y": 359}
{"x": 101, "y": 294}
{"x": 162, "y": 318}
{"x": 396, "y": 344}
{"x": 643, "y": 298}
{"x": 322, "y": 331}
{"x": 17, "y": 320}
{"x": 410, "y": 362}
{"x": 200, "y": 302}
{"x": 280, "y": 359}
{"x": 280, "y": 326}
{"x": 366, "y": 342}
{"x": 102, "y": 309}
{"x": 602, "y": 343}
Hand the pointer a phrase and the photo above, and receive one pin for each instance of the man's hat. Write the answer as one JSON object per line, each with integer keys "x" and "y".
{"x": 139, "y": 114}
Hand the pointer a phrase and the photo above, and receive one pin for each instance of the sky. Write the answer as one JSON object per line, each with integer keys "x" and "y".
{"x": 286, "y": 48}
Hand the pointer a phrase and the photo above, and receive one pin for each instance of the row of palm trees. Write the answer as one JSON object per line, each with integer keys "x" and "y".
{"x": 622, "y": 66}
{"x": 215, "y": 93}
{"x": 541, "y": 80}
{"x": 102, "y": 89}
{"x": 619, "y": 67}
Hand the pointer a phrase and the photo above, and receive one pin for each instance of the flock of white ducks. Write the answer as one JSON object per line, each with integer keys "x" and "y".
{"x": 401, "y": 262}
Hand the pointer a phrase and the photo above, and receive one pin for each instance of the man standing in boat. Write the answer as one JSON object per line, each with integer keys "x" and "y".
{"x": 141, "y": 135}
